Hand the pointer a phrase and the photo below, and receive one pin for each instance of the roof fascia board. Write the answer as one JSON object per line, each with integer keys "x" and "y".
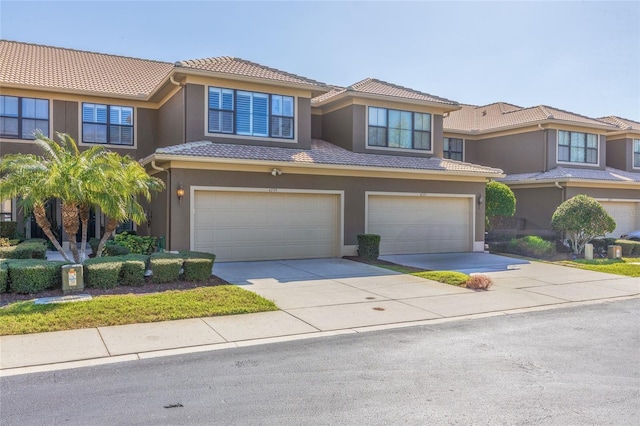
{"x": 385, "y": 98}
{"x": 312, "y": 166}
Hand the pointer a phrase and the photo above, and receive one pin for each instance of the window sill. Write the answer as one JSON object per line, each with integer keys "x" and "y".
{"x": 250, "y": 138}
{"x": 403, "y": 150}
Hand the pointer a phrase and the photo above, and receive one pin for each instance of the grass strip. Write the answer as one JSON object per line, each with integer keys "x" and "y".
{"x": 624, "y": 266}
{"x": 27, "y": 317}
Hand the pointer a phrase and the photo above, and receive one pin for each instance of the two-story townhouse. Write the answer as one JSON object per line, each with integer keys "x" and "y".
{"x": 254, "y": 161}
{"x": 96, "y": 98}
{"x": 549, "y": 156}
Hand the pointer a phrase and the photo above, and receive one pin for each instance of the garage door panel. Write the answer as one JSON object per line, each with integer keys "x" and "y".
{"x": 410, "y": 224}
{"x": 626, "y": 215}
{"x": 262, "y": 226}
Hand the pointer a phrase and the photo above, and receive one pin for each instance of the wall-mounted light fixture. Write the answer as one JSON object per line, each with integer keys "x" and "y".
{"x": 480, "y": 199}
{"x": 180, "y": 193}
{"x": 276, "y": 172}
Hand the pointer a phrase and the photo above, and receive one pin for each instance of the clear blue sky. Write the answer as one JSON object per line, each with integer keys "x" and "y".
{"x": 579, "y": 56}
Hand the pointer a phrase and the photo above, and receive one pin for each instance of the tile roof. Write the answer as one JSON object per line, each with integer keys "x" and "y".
{"x": 40, "y": 66}
{"x": 499, "y": 115}
{"x": 325, "y": 153}
{"x": 244, "y": 68}
{"x": 373, "y": 86}
{"x": 566, "y": 174}
{"x": 622, "y": 123}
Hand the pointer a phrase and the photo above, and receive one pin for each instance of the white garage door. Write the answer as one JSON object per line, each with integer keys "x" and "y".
{"x": 265, "y": 226}
{"x": 408, "y": 224}
{"x": 626, "y": 215}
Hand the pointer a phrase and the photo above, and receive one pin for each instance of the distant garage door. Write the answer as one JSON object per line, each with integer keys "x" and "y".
{"x": 626, "y": 215}
{"x": 265, "y": 226}
{"x": 421, "y": 224}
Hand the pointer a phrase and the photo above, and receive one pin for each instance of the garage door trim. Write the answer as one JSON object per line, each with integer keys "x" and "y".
{"x": 196, "y": 188}
{"x": 472, "y": 197}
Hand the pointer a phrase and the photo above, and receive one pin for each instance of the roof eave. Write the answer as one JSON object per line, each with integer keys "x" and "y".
{"x": 176, "y": 157}
{"x": 445, "y": 107}
{"x": 527, "y": 124}
{"x": 316, "y": 89}
{"x": 570, "y": 180}
{"x": 140, "y": 97}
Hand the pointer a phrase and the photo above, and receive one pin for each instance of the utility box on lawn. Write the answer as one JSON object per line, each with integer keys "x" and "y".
{"x": 72, "y": 279}
{"x": 614, "y": 252}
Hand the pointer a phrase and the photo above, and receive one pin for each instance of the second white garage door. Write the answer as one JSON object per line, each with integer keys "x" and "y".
{"x": 420, "y": 224}
{"x": 265, "y": 226}
{"x": 626, "y": 215}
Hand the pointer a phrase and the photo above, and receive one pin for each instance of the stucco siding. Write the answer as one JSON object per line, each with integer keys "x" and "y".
{"x": 354, "y": 195}
{"x": 519, "y": 153}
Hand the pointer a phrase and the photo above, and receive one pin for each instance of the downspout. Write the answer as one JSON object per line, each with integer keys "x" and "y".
{"x": 557, "y": 184}
{"x": 546, "y": 147}
{"x": 167, "y": 227}
{"x": 184, "y": 105}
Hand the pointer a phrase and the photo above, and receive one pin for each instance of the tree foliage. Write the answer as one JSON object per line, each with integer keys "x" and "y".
{"x": 499, "y": 200}
{"x": 582, "y": 219}
{"x": 95, "y": 177}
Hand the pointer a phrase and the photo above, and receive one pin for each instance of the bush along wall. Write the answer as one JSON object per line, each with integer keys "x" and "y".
{"x": 32, "y": 276}
{"x": 369, "y": 246}
{"x": 4, "y": 277}
{"x": 629, "y": 248}
{"x": 8, "y": 229}
{"x": 29, "y": 249}
{"x": 165, "y": 267}
{"x": 197, "y": 266}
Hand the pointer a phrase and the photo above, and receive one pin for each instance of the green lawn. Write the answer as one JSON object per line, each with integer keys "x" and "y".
{"x": 624, "y": 266}
{"x": 27, "y": 317}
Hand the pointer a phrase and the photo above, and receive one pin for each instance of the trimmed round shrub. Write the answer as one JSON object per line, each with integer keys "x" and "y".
{"x": 102, "y": 272}
{"x": 32, "y": 276}
{"x": 532, "y": 246}
{"x": 197, "y": 266}
{"x": 499, "y": 201}
{"x": 165, "y": 267}
{"x": 132, "y": 271}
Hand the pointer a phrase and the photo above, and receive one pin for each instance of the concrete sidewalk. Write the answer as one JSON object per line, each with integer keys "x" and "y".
{"x": 318, "y": 297}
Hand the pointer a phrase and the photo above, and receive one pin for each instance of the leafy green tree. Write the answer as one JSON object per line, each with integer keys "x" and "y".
{"x": 80, "y": 180}
{"x": 499, "y": 201}
{"x": 582, "y": 219}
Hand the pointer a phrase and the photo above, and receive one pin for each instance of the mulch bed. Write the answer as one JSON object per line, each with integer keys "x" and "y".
{"x": 379, "y": 262}
{"x": 147, "y": 288}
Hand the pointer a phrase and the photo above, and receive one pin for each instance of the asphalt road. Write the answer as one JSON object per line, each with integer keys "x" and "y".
{"x": 559, "y": 367}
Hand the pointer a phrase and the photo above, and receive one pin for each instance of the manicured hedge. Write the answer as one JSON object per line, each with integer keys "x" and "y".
{"x": 165, "y": 267}
{"x": 629, "y": 248}
{"x": 8, "y": 229}
{"x": 4, "y": 277}
{"x": 31, "y": 276}
{"x": 369, "y": 246}
{"x": 29, "y": 249}
{"x": 133, "y": 269}
{"x": 102, "y": 272}
{"x": 197, "y": 265}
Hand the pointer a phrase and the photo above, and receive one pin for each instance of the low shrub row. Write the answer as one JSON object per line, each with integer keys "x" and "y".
{"x": 34, "y": 275}
{"x": 35, "y": 248}
{"x": 531, "y": 246}
{"x": 8, "y": 229}
{"x": 629, "y": 248}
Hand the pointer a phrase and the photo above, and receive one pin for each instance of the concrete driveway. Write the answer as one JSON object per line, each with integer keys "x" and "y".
{"x": 467, "y": 263}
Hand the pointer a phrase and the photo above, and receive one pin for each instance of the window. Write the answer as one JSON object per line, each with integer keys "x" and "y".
{"x": 453, "y": 149}
{"x": 21, "y": 117}
{"x": 392, "y": 128}
{"x": 107, "y": 124}
{"x": 636, "y": 153}
{"x": 574, "y": 147}
{"x": 250, "y": 113}
{"x": 5, "y": 210}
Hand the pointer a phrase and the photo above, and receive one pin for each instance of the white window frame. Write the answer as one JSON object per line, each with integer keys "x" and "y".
{"x": 576, "y": 163}
{"x": 413, "y": 129}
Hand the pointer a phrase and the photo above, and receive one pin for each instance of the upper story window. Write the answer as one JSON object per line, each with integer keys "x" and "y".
{"x": 575, "y": 147}
{"x": 107, "y": 124}
{"x": 20, "y": 117}
{"x": 636, "y": 153}
{"x": 453, "y": 149}
{"x": 392, "y": 128}
{"x": 5, "y": 210}
{"x": 250, "y": 113}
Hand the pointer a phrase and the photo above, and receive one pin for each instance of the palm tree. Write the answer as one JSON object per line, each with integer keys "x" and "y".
{"x": 81, "y": 180}
{"x": 26, "y": 176}
{"x": 129, "y": 180}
